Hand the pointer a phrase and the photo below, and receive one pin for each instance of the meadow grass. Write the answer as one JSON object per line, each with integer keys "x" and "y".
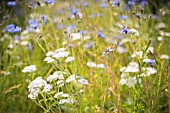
{"x": 120, "y": 59}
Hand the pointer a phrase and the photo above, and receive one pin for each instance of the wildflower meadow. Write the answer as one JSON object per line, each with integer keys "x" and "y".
{"x": 85, "y": 56}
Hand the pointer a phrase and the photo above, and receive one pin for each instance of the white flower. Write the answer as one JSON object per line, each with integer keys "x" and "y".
{"x": 160, "y": 38}
{"x": 49, "y": 59}
{"x": 60, "y": 83}
{"x": 29, "y": 69}
{"x": 150, "y": 49}
{"x": 24, "y": 43}
{"x": 131, "y": 81}
{"x": 137, "y": 54}
{"x": 121, "y": 49}
{"x": 123, "y": 81}
{"x": 10, "y": 46}
{"x": 72, "y": 78}
{"x": 150, "y": 70}
{"x": 65, "y": 95}
{"x": 133, "y": 31}
{"x": 123, "y": 75}
{"x": 60, "y": 54}
{"x": 56, "y": 75}
{"x": 91, "y": 64}
{"x": 47, "y": 88}
{"x": 69, "y": 59}
{"x": 132, "y": 67}
{"x": 76, "y": 36}
{"x": 33, "y": 96}
{"x": 100, "y": 66}
{"x": 83, "y": 81}
{"x": 58, "y": 94}
{"x": 81, "y": 91}
{"x": 35, "y": 86}
{"x": 67, "y": 101}
{"x": 164, "y": 56}
{"x": 49, "y": 53}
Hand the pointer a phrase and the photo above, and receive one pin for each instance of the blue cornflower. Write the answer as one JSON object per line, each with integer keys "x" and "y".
{"x": 88, "y": 45}
{"x": 76, "y": 3}
{"x": 103, "y": 5}
{"x": 30, "y": 29}
{"x": 17, "y": 37}
{"x": 45, "y": 19}
{"x": 86, "y": 4}
{"x": 11, "y": 3}
{"x": 12, "y": 28}
{"x": 131, "y": 2}
{"x": 75, "y": 11}
{"x": 49, "y": 1}
{"x": 34, "y": 23}
{"x": 30, "y": 46}
{"x": 99, "y": 34}
{"x": 144, "y": 2}
{"x": 84, "y": 32}
{"x": 115, "y": 3}
{"x": 60, "y": 26}
{"x": 71, "y": 27}
{"x": 124, "y": 30}
{"x": 123, "y": 17}
{"x": 17, "y": 29}
{"x": 149, "y": 61}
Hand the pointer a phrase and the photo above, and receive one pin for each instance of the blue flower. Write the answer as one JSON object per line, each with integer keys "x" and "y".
{"x": 144, "y": 2}
{"x": 12, "y": 28}
{"x": 75, "y": 11}
{"x": 45, "y": 19}
{"x": 88, "y": 45}
{"x": 115, "y": 3}
{"x": 131, "y": 2}
{"x": 124, "y": 30}
{"x": 49, "y": 1}
{"x": 34, "y": 23}
{"x": 100, "y": 35}
{"x": 76, "y": 3}
{"x": 103, "y": 5}
{"x": 123, "y": 17}
{"x": 30, "y": 46}
{"x": 17, "y": 37}
{"x": 86, "y": 4}
{"x": 17, "y": 29}
{"x": 11, "y": 3}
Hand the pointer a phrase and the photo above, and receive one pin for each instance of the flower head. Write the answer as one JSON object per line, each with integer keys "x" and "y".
{"x": 11, "y": 3}
{"x": 49, "y": 1}
{"x": 29, "y": 69}
{"x": 34, "y": 23}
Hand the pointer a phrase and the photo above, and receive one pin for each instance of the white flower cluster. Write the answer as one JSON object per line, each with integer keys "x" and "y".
{"x": 79, "y": 79}
{"x": 76, "y": 36}
{"x": 29, "y": 69}
{"x": 58, "y": 75}
{"x": 64, "y": 98}
{"x": 36, "y": 85}
{"x": 93, "y": 65}
{"x": 164, "y": 56}
{"x": 132, "y": 67}
{"x": 148, "y": 71}
{"x": 130, "y": 82}
{"x": 69, "y": 59}
{"x": 57, "y": 54}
